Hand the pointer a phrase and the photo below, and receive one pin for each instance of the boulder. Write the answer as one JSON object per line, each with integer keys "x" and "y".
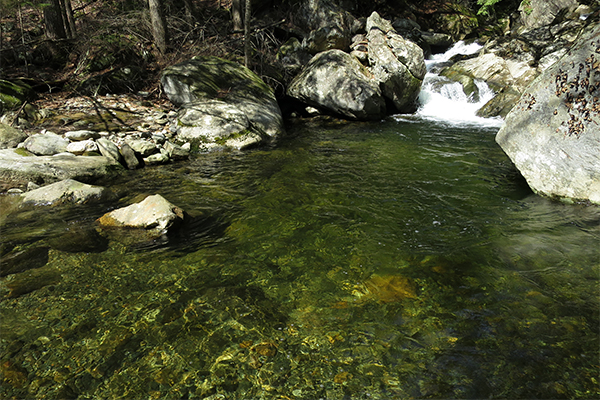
{"x": 143, "y": 147}
{"x": 338, "y": 82}
{"x": 17, "y": 169}
{"x": 153, "y": 213}
{"x": 396, "y": 63}
{"x": 46, "y": 144}
{"x": 129, "y": 157}
{"x": 214, "y": 123}
{"x": 82, "y": 147}
{"x": 65, "y": 191}
{"x": 329, "y": 26}
{"x": 538, "y": 13}
{"x": 10, "y": 137}
{"x": 176, "y": 152}
{"x": 552, "y": 133}
{"x": 205, "y": 86}
{"x": 109, "y": 150}
{"x": 82, "y": 135}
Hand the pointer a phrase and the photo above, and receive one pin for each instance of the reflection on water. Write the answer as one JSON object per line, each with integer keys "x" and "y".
{"x": 368, "y": 260}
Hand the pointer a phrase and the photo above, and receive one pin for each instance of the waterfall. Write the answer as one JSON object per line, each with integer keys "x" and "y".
{"x": 444, "y": 100}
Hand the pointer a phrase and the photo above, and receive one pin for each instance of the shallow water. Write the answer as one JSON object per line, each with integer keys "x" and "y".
{"x": 397, "y": 259}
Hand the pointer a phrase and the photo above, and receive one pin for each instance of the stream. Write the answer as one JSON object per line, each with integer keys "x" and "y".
{"x": 403, "y": 258}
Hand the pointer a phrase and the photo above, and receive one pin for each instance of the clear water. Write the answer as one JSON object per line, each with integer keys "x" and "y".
{"x": 399, "y": 259}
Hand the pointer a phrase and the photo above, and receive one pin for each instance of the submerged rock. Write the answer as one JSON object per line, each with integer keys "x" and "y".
{"x": 552, "y": 133}
{"x": 23, "y": 260}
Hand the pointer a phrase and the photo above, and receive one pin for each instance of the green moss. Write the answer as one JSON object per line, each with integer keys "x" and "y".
{"x": 23, "y": 152}
{"x": 13, "y": 94}
{"x": 213, "y": 77}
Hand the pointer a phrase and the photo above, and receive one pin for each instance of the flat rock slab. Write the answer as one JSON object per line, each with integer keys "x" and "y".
{"x": 66, "y": 191}
{"x": 17, "y": 170}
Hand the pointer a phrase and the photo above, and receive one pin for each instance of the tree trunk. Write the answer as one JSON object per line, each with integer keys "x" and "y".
{"x": 53, "y": 20}
{"x": 69, "y": 19}
{"x": 247, "y": 18}
{"x": 159, "y": 30}
{"x": 236, "y": 15}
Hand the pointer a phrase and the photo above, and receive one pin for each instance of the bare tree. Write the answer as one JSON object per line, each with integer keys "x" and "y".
{"x": 159, "y": 29}
{"x": 236, "y": 15}
{"x": 68, "y": 18}
{"x": 247, "y": 18}
{"x": 58, "y": 19}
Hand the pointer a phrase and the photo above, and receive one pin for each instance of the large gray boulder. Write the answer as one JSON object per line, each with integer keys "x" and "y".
{"x": 205, "y": 86}
{"x": 328, "y": 25}
{"x": 537, "y": 13}
{"x": 17, "y": 168}
{"x": 46, "y": 144}
{"x": 396, "y": 63}
{"x": 338, "y": 82}
{"x": 552, "y": 133}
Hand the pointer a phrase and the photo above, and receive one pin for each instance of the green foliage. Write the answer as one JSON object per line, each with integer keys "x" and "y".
{"x": 487, "y": 6}
{"x": 526, "y": 6}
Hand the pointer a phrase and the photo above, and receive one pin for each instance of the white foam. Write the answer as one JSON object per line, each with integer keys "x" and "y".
{"x": 443, "y": 100}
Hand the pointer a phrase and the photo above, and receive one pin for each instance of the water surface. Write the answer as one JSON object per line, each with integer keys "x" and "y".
{"x": 395, "y": 259}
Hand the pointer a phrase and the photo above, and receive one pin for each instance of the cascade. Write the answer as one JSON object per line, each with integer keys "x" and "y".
{"x": 444, "y": 100}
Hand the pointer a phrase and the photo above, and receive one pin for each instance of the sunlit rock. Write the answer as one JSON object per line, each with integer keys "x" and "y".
{"x": 154, "y": 213}
{"x": 338, "y": 82}
{"x": 66, "y": 191}
{"x": 82, "y": 135}
{"x": 215, "y": 95}
{"x": 552, "y": 133}
{"x": 82, "y": 147}
{"x": 46, "y": 144}
{"x": 18, "y": 168}
{"x": 397, "y": 64}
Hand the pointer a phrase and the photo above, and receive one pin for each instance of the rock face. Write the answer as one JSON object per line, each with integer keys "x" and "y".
{"x": 338, "y": 82}
{"x": 17, "y": 170}
{"x": 537, "y": 13}
{"x": 66, "y": 191}
{"x": 222, "y": 93}
{"x": 552, "y": 133}
{"x": 398, "y": 64}
{"x": 154, "y": 213}
{"x": 329, "y": 25}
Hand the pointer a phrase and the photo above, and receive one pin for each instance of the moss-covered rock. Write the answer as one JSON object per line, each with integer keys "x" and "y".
{"x": 14, "y": 94}
{"x": 221, "y": 98}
